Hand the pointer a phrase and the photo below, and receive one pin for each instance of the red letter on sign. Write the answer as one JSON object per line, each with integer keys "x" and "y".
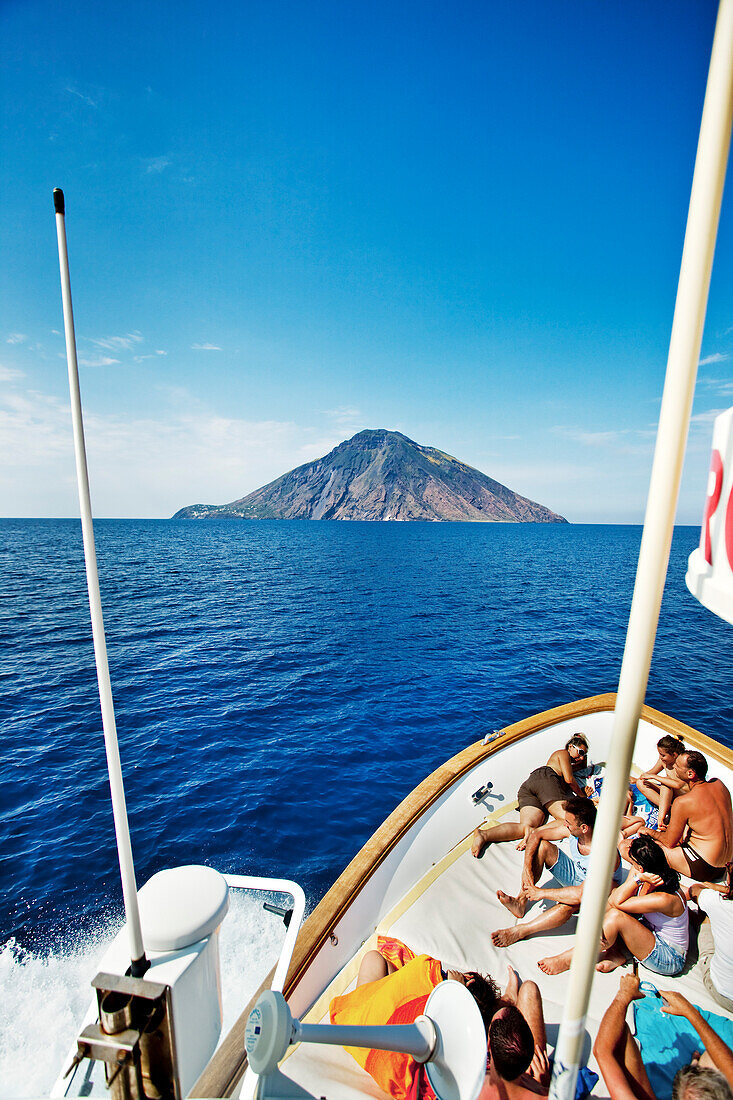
{"x": 716, "y": 468}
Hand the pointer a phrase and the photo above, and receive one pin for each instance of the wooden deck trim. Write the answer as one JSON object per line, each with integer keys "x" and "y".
{"x": 227, "y": 1066}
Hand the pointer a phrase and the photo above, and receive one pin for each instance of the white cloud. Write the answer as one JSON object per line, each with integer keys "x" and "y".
{"x": 718, "y": 357}
{"x": 85, "y": 98}
{"x": 161, "y": 353}
{"x": 205, "y": 347}
{"x": 97, "y": 361}
{"x": 118, "y": 343}
{"x": 16, "y": 338}
{"x": 197, "y": 456}
{"x": 156, "y": 165}
{"x": 9, "y": 374}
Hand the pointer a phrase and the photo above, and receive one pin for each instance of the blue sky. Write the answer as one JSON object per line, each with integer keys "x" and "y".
{"x": 289, "y": 221}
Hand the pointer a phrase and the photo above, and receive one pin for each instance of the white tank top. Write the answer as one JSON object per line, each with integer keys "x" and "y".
{"x": 673, "y": 930}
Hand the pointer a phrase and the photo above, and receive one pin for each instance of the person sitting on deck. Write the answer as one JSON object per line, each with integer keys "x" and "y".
{"x": 392, "y": 987}
{"x": 619, "y": 1058}
{"x": 660, "y": 784}
{"x": 698, "y": 841}
{"x": 715, "y": 938}
{"x": 569, "y": 865}
{"x": 647, "y": 913}
{"x": 542, "y": 794}
{"x": 516, "y": 1033}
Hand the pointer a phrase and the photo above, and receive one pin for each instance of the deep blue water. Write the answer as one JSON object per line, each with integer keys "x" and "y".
{"x": 280, "y": 686}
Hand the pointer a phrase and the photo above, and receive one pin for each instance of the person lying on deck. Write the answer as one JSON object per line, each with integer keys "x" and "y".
{"x": 660, "y": 784}
{"x": 569, "y": 865}
{"x": 516, "y": 1032}
{"x": 647, "y": 913}
{"x": 542, "y": 794}
{"x": 698, "y": 841}
{"x": 392, "y": 988}
{"x": 619, "y": 1058}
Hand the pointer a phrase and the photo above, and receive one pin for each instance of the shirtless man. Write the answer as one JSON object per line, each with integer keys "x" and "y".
{"x": 569, "y": 867}
{"x": 543, "y": 793}
{"x": 698, "y": 840}
{"x": 516, "y": 1035}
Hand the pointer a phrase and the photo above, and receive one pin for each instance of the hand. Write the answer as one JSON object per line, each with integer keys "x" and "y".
{"x": 522, "y": 844}
{"x": 532, "y": 891}
{"x": 527, "y": 880}
{"x": 590, "y": 791}
{"x": 655, "y": 881}
{"x": 674, "y": 1003}
{"x": 629, "y": 988}
{"x": 539, "y": 1067}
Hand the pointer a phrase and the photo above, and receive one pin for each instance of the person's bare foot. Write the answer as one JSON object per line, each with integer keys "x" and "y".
{"x": 505, "y": 937}
{"x": 611, "y": 960}
{"x": 512, "y": 983}
{"x": 556, "y": 964}
{"x": 479, "y": 843}
{"x": 516, "y": 906}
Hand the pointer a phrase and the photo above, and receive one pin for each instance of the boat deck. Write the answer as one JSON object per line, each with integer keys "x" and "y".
{"x": 450, "y": 914}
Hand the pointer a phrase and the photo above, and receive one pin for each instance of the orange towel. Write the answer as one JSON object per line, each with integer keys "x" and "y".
{"x": 398, "y": 998}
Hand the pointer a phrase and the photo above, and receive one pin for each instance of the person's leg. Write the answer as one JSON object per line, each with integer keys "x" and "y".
{"x": 631, "y": 825}
{"x": 373, "y": 967}
{"x": 650, "y": 791}
{"x": 508, "y": 830}
{"x": 544, "y": 856}
{"x": 638, "y": 938}
{"x": 529, "y": 1003}
{"x": 554, "y": 917}
{"x": 666, "y": 794}
{"x": 557, "y": 809}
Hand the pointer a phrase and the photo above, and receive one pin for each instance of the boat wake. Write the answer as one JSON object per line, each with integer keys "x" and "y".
{"x": 46, "y": 995}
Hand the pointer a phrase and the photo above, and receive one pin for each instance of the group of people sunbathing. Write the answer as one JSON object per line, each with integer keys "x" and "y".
{"x": 647, "y": 917}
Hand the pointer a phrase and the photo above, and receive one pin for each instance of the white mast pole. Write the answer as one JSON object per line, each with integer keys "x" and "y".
{"x": 674, "y": 419}
{"x": 119, "y": 810}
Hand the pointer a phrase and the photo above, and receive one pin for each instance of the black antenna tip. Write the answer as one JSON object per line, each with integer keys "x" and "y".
{"x": 58, "y": 200}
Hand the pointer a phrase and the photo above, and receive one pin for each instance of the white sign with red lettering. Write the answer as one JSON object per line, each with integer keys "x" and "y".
{"x": 710, "y": 567}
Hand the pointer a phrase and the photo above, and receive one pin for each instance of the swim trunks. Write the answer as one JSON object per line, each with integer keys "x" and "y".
{"x": 542, "y": 787}
{"x": 700, "y": 869}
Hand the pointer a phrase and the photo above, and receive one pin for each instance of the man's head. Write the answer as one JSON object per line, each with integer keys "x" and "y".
{"x": 510, "y": 1043}
{"x": 669, "y": 748}
{"x": 691, "y": 765}
{"x": 696, "y": 1083}
{"x": 580, "y": 816}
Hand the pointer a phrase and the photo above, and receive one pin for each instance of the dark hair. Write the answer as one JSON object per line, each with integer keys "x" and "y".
{"x": 485, "y": 993}
{"x": 645, "y": 851}
{"x": 578, "y": 740}
{"x": 697, "y": 763}
{"x": 511, "y": 1043}
{"x": 583, "y": 809}
{"x": 699, "y": 1083}
{"x": 668, "y": 743}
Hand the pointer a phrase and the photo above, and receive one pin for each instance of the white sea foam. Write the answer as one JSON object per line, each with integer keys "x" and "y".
{"x": 44, "y": 997}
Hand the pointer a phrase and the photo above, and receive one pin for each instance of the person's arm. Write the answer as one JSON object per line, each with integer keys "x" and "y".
{"x": 564, "y": 895}
{"x": 553, "y": 830}
{"x": 670, "y": 836}
{"x": 655, "y": 902}
{"x": 622, "y": 893}
{"x": 566, "y": 770}
{"x": 722, "y": 1056}
{"x": 611, "y": 1041}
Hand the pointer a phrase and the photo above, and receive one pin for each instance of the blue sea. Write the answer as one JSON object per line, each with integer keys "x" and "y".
{"x": 279, "y": 687}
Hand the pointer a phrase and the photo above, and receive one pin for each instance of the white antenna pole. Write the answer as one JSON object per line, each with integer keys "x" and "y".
{"x": 674, "y": 419}
{"x": 119, "y": 810}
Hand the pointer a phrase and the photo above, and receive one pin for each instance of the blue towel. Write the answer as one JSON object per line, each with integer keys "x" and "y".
{"x": 585, "y": 1081}
{"x": 668, "y": 1042}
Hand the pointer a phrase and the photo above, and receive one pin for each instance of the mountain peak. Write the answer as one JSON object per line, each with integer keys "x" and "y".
{"x": 381, "y": 475}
